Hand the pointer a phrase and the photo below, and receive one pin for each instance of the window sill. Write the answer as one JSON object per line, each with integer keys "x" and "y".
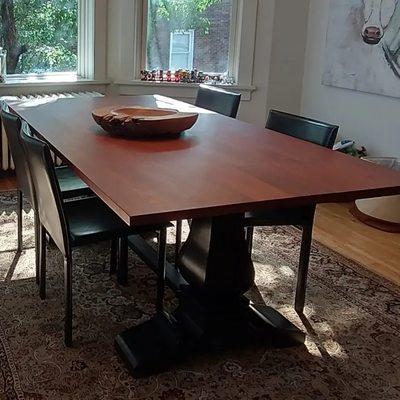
{"x": 183, "y": 90}
{"x": 49, "y": 80}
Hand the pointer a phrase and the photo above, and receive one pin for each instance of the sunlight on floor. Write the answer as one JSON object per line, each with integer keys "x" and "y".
{"x": 14, "y": 267}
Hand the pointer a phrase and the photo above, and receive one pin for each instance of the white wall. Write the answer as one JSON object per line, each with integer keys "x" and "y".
{"x": 288, "y": 55}
{"x": 255, "y": 110}
{"x": 372, "y": 120}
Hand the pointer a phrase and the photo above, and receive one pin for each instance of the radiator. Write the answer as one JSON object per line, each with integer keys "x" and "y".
{"x": 6, "y": 162}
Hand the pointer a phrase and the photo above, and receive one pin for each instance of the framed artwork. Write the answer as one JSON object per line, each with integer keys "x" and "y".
{"x": 363, "y": 46}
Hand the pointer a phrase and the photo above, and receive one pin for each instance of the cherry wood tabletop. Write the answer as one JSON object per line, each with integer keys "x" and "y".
{"x": 220, "y": 166}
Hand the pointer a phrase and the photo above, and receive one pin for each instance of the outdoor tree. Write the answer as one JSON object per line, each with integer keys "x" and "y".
{"x": 175, "y": 15}
{"x": 9, "y": 35}
{"x": 39, "y": 35}
{"x": 185, "y": 14}
{"x": 42, "y": 35}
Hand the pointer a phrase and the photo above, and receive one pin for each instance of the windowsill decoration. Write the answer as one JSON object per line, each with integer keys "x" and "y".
{"x": 186, "y": 76}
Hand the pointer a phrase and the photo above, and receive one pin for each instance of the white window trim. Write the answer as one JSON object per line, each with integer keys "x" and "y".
{"x": 190, "y": 52}
{"x": 242, "y": 40}
{"x": 91, "y": 14}
{"x": 125, "y": 56}
{"x": 86, "y": 32}
{"x": 232, "y": 36}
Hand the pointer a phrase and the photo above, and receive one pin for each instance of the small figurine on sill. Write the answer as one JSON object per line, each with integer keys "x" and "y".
{"x": 143, "y": 75}
{"x": 184, "y": 76}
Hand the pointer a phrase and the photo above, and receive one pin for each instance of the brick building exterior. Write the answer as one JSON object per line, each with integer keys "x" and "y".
{"x": 211, "y": 50}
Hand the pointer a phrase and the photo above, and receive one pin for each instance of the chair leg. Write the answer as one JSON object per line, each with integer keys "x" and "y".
{"x": 68, "y": 301}
{"x": 178, "y": 242}
{"x": 42, "y": 261}
{"x": 249, "y": 238}
{"x": 36, "y": 223}
{"x": 303, "y": 268}
{"x": 114, "y": 256}
{"x": 19, "y": 220}
{"x": 162, "y": 247}
{"x": 122, "y": 273}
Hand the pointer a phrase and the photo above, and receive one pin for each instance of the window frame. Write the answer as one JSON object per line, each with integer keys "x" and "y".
{"x": 141, "y": 12}
{"x": 125, "y": 55}
{"x": 88, "y": 15}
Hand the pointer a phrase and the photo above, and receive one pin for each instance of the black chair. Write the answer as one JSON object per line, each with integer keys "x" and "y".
{"x": 303, "y": 128}
{"x": 312, "y": 131}
{"x": 70, "y": 185}
{"x": 77, "y": 223}
{"x": 222, "y": 102}
{"x": 218, "y": 100}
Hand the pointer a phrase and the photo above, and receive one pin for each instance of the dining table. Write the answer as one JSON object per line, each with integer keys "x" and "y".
{"x": 211, "y": 174}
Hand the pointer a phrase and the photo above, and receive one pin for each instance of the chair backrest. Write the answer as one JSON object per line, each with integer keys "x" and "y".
{"x": 218, "y": 100}
{"x": 12, "y": 126}
{"x": 47, "y": 191}
{"x": 303, "y": 128}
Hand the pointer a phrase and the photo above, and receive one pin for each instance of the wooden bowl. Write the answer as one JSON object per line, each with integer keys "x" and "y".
{"x": 143, "y": 122}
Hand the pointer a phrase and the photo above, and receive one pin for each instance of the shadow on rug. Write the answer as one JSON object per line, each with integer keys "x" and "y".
{"x": 352, "y": 349}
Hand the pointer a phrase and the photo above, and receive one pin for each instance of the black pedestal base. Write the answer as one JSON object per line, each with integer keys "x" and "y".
{"x": 150, "y": 347}
{"x": 215, "y": 270}
{"x": 165, "y": 339}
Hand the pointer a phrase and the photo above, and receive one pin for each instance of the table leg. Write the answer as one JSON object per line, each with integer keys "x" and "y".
{"x": 213, "y": 312}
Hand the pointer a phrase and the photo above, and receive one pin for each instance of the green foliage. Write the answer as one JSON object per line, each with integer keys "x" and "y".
{"x": 49, "y": 30}
{"x": 185, "y": 14}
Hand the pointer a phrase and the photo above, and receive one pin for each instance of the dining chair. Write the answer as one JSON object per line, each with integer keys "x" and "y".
{"x": 70, "y": 185}
{"x": 222, "y": 102}
{"x": 312, "y": 131}
{"x": 77, "y": 223}
{"x": 218, "y": 100}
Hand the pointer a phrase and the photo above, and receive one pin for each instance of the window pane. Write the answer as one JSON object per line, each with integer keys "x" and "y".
{"x": 180, "y": 43}
{"x": 179, "y": 61}
{"x": 210, "y": 21}
{"x": 40, "y": 35}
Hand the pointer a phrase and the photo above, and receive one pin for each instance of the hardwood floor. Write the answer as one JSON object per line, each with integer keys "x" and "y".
{"x": 7, "y": 183}
{"x": 378, "y": 251}
{"x": 338, "y": 229}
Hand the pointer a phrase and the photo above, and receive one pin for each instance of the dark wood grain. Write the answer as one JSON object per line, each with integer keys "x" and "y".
{"x": 220, "y": 166}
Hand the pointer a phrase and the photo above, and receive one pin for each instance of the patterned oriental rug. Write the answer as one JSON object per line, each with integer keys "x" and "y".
{"x": 352, "y": 320}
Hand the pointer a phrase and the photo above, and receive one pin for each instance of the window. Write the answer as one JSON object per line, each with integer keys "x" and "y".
{"x": 189, "y": 34}
{"x": 181, "y": 50}
{"x": 42, "y": 36}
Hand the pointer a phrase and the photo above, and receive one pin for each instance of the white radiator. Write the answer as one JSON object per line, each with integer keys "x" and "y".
{"x": 6, "y": 162}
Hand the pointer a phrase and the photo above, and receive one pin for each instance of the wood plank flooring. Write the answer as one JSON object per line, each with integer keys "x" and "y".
{"x": 338, "y": 229}
{"x": 378, "y": 251}
{"x": 7, "y": 183}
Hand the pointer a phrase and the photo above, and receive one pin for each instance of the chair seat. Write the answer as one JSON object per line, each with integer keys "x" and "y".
{"x": 282, "y": 216}
{"x": 70, "y": 184}
{"x": 90, "y": 220}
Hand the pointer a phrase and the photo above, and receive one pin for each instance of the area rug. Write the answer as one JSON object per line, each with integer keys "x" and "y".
{"x": 351, "y": 319}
